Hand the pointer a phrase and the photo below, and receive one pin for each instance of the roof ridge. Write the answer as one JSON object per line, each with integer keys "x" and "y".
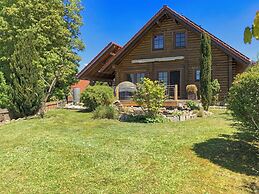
{"x": 189, "y": 22}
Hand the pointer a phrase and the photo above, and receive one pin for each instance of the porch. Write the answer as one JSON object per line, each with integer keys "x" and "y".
{"x": 124, "y": 95}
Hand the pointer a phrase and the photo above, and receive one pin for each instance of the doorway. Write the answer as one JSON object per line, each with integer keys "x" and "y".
{"x": 175, "y": 79}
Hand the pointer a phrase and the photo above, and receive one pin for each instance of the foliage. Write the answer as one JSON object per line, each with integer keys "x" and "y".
{"x": 191, "y": 89}
{"x": 193, "y": 105}
{"x": 206, "y": 61}
{"x": 55, "y": 26}
{"x": 145, "y": 119}
{"x": 244, "y": 98}
{"x": 253, "y": 31}
{"x": 26, "y": 87}
{"x": 4, "y": 90}
{"x": 105, "y": 112}
{"x": 215, "y": 89}
{"x": 150, "y": 95}
{"x": 97, "y": 95}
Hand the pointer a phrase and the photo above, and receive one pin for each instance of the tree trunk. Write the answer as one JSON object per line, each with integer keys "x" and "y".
{"x": 43, "y": 105}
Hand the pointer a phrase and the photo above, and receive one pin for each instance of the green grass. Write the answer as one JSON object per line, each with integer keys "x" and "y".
{"x": 68, "y": 152}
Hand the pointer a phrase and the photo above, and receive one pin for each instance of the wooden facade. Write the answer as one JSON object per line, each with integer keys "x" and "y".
{"x": 139, "y": 56}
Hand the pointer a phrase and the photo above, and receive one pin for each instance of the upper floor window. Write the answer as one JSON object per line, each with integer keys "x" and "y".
{"x": 158, "y": 42}
{"x": 135, "y": 77}
{"x": 180, "y": 40}
{"x": 163, "y": 77}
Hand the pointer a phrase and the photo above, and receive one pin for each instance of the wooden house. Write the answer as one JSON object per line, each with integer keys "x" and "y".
{"x": 167, "y": 48}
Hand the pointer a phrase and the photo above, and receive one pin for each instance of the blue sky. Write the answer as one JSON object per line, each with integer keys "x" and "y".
{"x": 119, "y": 20}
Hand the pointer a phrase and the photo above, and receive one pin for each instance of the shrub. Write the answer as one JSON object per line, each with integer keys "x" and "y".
{"x": 192, "y": 89}
{"x": 150, "y": 95}
{"x": 98, "y": 95}
{"x": 244, "y": 98}
{"x": 215, "y": 89}
{"x": 206, "y": 61}
{"x": 4, "y": 89}
{"x": 192, "y": 92}
{"x": 193, "y": 105}
{"x": 145, "y": 119}
{"x": 105, "y": 112}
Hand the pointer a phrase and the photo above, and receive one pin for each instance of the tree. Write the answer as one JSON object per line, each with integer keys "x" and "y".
{"x": 150, "y": 96}
{"x": 56, "y": 26}
{"x": 244, "y": 99}
{"x": 4, "y": 90}
{"x": 27, "y": 88}
{"x": 205, "y": 65}
{"x": 253, "y": 31}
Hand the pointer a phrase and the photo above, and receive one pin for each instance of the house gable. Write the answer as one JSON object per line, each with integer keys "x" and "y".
{"x": 139, "y": 57}
{"x": 169, "y": 13}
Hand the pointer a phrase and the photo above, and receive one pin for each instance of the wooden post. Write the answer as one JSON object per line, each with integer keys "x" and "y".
{"x": 176, "y": 92}
{"x": 117, "y": 95}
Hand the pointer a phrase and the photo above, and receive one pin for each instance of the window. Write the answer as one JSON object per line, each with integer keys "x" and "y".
{"x": 180, "y": 40}
{"x": 163, "y": 77}
{"x": 197, "y": 75}
{"x": 135, "y": 77}
{"x": 158, "y": 42}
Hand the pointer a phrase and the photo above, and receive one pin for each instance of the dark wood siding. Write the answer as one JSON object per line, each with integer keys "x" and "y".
{"x": 222, "y": 66}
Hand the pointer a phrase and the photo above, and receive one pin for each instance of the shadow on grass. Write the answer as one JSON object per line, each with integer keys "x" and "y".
{"x": 233, "y": 152}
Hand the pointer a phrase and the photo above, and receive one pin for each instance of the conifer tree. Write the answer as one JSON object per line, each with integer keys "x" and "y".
{"x": 205, "y": 65}
{"x": 27, "y": 89}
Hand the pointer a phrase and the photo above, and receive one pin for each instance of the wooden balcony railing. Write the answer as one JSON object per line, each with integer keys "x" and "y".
{"x": 171, "y": 93}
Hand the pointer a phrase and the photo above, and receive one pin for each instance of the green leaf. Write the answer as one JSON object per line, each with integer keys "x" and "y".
{"x": 248, "y": 35}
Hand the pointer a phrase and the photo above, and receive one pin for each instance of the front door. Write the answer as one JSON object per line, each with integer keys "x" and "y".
{"x": 175, "y": 79}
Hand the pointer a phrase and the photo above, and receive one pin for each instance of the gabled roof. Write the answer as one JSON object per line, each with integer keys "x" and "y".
{"x": 92, "y": 70}
{"x": 186, "y": 22}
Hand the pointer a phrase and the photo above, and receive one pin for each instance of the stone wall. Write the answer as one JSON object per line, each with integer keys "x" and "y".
{"x": 4, "y": 115}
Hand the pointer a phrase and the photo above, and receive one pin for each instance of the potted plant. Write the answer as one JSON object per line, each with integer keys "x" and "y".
{"x": 192, "y": 92}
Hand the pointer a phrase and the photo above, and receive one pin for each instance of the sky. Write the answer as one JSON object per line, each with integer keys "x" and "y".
{"x": 118, "y": 20}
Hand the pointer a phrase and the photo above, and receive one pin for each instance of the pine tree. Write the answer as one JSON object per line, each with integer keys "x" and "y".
{"x": 27, "y": 89}
{"x": 205, "y": 65}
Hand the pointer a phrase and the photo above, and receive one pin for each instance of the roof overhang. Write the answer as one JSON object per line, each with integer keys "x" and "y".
{"x": 93, "y": 70}
{"x": 167, "y": 12}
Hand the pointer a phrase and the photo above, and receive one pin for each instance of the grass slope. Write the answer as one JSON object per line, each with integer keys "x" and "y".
{"x": 68, "y": 152}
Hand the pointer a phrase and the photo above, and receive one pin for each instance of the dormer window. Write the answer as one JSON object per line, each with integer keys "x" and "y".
{"x": 158, "y": 42}
{"x": 180, "y": 40}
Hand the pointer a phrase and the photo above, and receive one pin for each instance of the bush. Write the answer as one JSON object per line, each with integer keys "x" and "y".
{"x": 98, "y": 95}
{"x": 150, "y": 95}
{"x": 192, "y": 89}
{"x": 4, "y": 89}
{"x": 145, "y": 119}
{"x": 243, "y": 98}
{"x": 215, "y": 89}
{"x": 193, "y": 105}
{"x": 105, "y": 112}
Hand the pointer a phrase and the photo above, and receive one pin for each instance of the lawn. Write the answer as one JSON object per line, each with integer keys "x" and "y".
{"x": 68, "y": 152}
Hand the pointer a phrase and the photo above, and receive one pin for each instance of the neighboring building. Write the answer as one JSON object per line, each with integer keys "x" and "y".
{"x": 167, "y": 48}
{"x": 77, "y": 89}
{"x": 82, "y": 85}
